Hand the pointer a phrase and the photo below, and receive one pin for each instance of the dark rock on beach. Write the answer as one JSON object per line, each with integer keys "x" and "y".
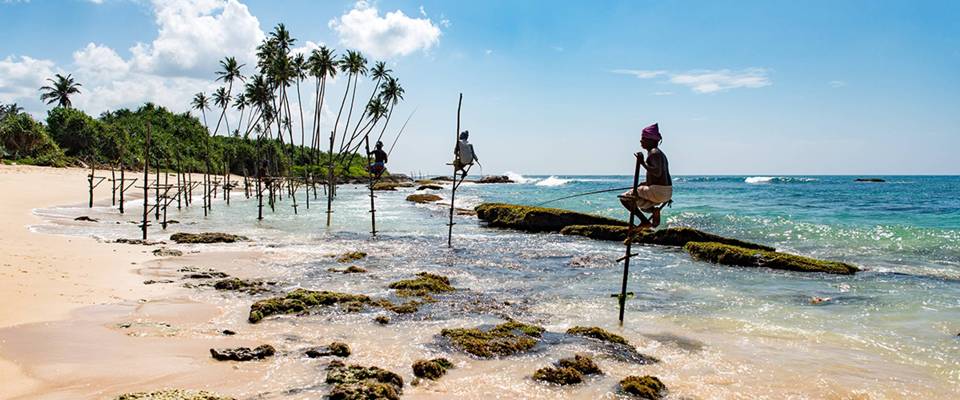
{"x": 336, "y": 349}
{"x": 597, "y": 333}
{"x": 351, "y": 256}
{"x": 537, "y": 219}
{"x": 495, "y": 179}
{"x": 85, "y": 218}
{"x": 615, "y": 345}
{"x": 139, "y": 242}
{"x": 431, "y": 369}
{"x": 423, "y": 198}
{"x": 353, "y": 269}
{"x": 300, "y": 300}
{"x": 739, "y": 256}
{"x": 382, "y": 319}
{"x": 356, "y": 382}
{"x": 173, "y": 394}
{"x": 241, "y": 285}
{"x": 243, "y": 353}
{"x": 502, "y": 340}
{"x": 568, "y": 371}
{"x": 676, "y": 236}
{"x": 165, "y": 252}
{"x": 430, "y": 187}
{"x": 425, "y": 282}
{"x": 644, "y": 387}
{"x": 206, "y": 237}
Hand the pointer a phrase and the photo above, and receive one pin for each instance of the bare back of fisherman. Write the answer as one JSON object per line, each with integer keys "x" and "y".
{"x": 657, "y": 189}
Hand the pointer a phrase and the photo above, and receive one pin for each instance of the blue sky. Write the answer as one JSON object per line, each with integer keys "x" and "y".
{"x": 738, "y": 87}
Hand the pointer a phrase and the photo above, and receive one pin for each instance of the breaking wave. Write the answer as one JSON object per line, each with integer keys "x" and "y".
{"x": 754, "y": 180}
{"x": 553, "y": 181}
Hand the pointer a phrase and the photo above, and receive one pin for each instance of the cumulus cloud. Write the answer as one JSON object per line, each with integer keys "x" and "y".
{"x": 393, "y": 34}
{"x": 708, "y": 81}
{"x": 20, "y": 77}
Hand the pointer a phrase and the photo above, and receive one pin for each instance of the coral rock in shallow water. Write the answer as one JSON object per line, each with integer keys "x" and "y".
{"x": 676, "y": 236}
{"x": 300, "y": 300}
{"x": 425, "y": 283}
{"x": 172, "y": 394}
{"x": 356, "y": 382}
{"x": 351, "y": 256}
{"x": 243, "y": 353}
{"x": 597, "y": 333}
{"x": 537, "y": 219}
{"x": 733, "y": 255}
{"x": 645, "y": 387}
{"x": 558, "y": 375}
{"x": 582, "y": 363}
{"x": 337, "y": 349}
{"x": 424, "y": 198}
{"x": 431, "y": 369}
{"x": 206, "y": 237}
{"x": 353, "y": 269}
{"x": 502, "y": 340}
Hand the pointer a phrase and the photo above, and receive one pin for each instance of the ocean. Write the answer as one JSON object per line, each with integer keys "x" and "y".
{"x": 890, "y": 331}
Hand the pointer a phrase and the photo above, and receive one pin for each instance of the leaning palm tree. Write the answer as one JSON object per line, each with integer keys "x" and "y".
{"x": 298, "y": 66}
{"x": 354, "y": 64}
{"x": 392, "y": 94}
{"x": 63, "y": 87}
{"x": 222, "y": 99}
{"x": 229, "y": 72}
{"x": 323, "y": 65}
{"x": 379, "y": 72}
{"x": 202, "y": 103}
{"x": 240, "y": 103}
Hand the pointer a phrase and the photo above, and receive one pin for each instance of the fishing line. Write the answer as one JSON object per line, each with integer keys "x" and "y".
{"x": 584, "y": 194}
{"x": 401, "y": 132}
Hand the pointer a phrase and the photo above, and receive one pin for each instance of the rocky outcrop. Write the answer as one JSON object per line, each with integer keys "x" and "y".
{"x": 353, "y": 269}
{"x": 495, "y": 179}
{"x": 430, "y": 187}
{"x": 206, "y": 237}
{"x": 336, "y": 349}
{"x": 241, "y": 285}
{"x": 139, "y": 241}
{"x": 351, "y": 256}
{"x": 243, "y": 353}
{"x": 597, "y": 333}
{"x": 616, "y": 345}
{"x": 643, "y": 387}
{"x": 431, "y": 369}
{"x": 302, "y": 299}
{"x": 537, "y": 219}
{"x": 568, "y": 371}
{"x": 424, "y": 198}
{"x": 675, "y": 236}
{"x": 424, "y": 283}
{"x": 502, "y": 340}
{"x": 85, "y": 218}
{"x": 356, "y": 382}
{"x": 738, "y": 256}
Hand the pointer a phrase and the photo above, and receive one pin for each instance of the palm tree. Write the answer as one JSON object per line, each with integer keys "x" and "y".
{"x": 299, "y": 69}
{"x": 322, "y": 65}
{"x": 222, "y": 99}
{"x": 240, "y": 103}
{"x": 63, "y": 87}
{"x": 379, "y": 72}
{"x": 229, "y": 71}
{"x": 202, "y": 103}
{"x": 392, "y": 93}
{"x": 354, "y": 63}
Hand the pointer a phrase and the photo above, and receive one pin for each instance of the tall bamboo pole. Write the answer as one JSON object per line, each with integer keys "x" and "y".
{"x": 628, "y": 255}
{"x": 146, "y": 182}
{"x": 453, "y": 191}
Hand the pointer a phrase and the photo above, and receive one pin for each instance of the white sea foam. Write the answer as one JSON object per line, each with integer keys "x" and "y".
{"x": 759, "y": 179}
{"x": 518, "y": 178}
{"x": 778, "y": 179}
{"x": 553, "y": 181}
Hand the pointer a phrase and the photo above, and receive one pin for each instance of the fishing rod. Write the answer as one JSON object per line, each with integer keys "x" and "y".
{"x": 401, "y": 132}
{"x": 583, "y": 194}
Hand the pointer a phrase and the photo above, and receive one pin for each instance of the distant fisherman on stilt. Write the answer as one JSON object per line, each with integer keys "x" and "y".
{"x": 379, "y": 164}
{"x": 657, "y": 190}
{"x": 463, "y": 153}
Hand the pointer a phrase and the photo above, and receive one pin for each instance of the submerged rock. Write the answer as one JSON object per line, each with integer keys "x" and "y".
{"x": 597, "y": 333}
{"x": 301, "y": 299}
{"x": 353, "y": 269}
{"x": 197, "y": 273}
{"x": 537, "y": 219}
{"x": 173, "y": 394}
{"x": 337, "y": 349}
{"x": 165, "y": 252}
{"x": 568, "y": 371}
{"x": 423, "y": 284}
{"x": 356, "y": 382}
{"x": 206, "y": 237}
{"x": 243, "y": 285}
{"x": 430, "y": 187}
{"x": 424, "y": 198}
{"x": 431, "y": 369}
{"x": 502, "y": 340}
{"x": 382, "y": 319}
{"x": 676, "y": 236}
{"x": 644, "y": 387}
{"x": 873, "y": 180}
{"x": 85, "y": 218}
{"x": 243, "y": 353}
{"x": 351, "y": 256}
{"x": 739, "y": 256}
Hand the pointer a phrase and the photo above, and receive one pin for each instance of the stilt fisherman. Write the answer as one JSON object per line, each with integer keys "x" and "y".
{"x": 657, "y": 190}
{"x": 463, "y": 154}
{"x": 379, "y": 164}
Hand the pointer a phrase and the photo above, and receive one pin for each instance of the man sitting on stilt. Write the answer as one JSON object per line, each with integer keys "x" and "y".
{"x": 379, "y": 164}
{"x": 657, "y": 190}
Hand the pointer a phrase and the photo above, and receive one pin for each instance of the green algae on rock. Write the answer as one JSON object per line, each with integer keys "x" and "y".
{"x": 424, "y": 283}
{"x": 597, "y": 232}
{"x": 382, "y": 319}
{"x": 644, "y": 387}
{"x": 732, "y": 255}
{"x": 558, "y": 375}
{"x": 353, "y": 269}
{"x": 238, "y": 284}
{"x": 582, "y": 363}
{"x": 537, "y": 219}
{"x": 356, "y": 382}
{"x": 173, "y": 394}
{"x": 243, "y": 353}
{"x": 597, "y": 333}
{"x": 206, "y": 237}
{"x": 351, "y": 256}
{"x": 502, "y": 340}
{"x": 409, "y": 307}
{"x": 424, "y": 198}
{"x": 431, "y": 369}
{"x": 675, "y": 236}
{"x": 301, "y": 299}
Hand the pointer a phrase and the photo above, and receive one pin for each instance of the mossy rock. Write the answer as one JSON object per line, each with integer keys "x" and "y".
{"x": 409, "y": 307}
{"x": 537, "y": 219}
{"x": 675, "y": 236}
{"x": 558, "y": 375}
{"x": 644, "y": 387}
{"x": 424, "y": 283}
{"x": 336, "y": 349}
{"x": 390, "y": 186}
{"x": 382, "y": 319}
{"x": 351, "y": 256}
{"x": 301, "y": 299}
{"x": 353, "y": 269}
{"x": 239, "y": 285}
{"x": 173, "y": 394}
{"x": 582, "y": 363}
{"x": 424, "y": 198}
{"x": 207, "y": 237}
{"x": 243, "y": 353}
{"x": 502, "y": 340}
{"x": 739, "y": 256}
{"x": 597, "y": 333}
{"x": 431, "y": 369}
{"x": 356, "y": 382}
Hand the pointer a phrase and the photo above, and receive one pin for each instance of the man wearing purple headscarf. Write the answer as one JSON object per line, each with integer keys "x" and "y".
{"x": 657, "y": 189}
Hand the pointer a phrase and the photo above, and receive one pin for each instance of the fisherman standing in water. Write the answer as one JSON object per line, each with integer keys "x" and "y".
{"x": 463, "y": 155}
{"x": 379, "y": 164}
{"x": 651, "y": 195}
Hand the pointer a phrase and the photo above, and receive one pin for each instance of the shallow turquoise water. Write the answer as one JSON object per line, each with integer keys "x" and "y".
{"x": 903, "y": 310}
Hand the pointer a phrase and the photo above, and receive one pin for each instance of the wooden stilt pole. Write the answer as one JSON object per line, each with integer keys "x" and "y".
{"x": 373, "y": 208}
{"x": 146, "y": 182}
{"x": 453, "y": 191}
{"x": 113, "y": 186}
{"x": 166, "y": 195}
{"x": 156, "y": 213}
{"x": 123, "y": 186}
{"x": 90, "y": 181}
{"x": 628, "y": 255}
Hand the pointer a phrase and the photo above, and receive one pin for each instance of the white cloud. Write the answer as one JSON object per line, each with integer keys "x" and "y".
{"x": 708, "y": 81}
{"x": 488, "y": 52}
{"x": 393, "y": 34}
{"x": 20, "y": 78}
